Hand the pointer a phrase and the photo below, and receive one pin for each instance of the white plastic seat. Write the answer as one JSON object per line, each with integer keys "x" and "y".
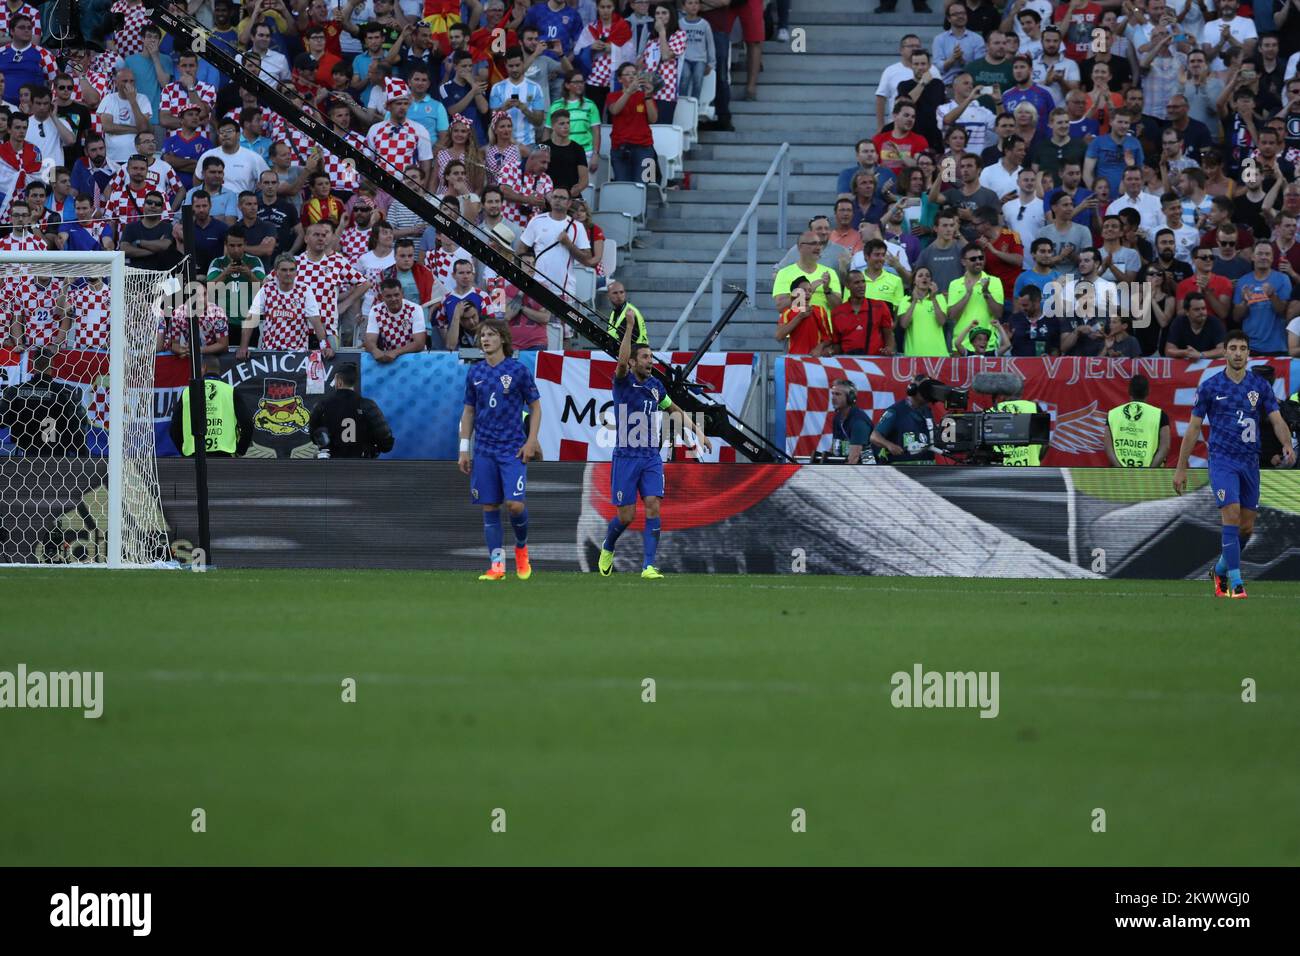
{"x": 624, "y": 197}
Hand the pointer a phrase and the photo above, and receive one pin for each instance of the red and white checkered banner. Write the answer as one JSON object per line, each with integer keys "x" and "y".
{"x": 1076, "y": 392}
{"x": 577, "y": 400}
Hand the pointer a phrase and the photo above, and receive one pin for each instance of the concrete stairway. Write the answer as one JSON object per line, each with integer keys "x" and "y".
{"x": 821, "y": 101}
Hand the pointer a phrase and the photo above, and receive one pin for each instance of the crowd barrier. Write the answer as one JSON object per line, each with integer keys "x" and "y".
{"x": 1076, "y": 392}
{"x": 422, "y": 395}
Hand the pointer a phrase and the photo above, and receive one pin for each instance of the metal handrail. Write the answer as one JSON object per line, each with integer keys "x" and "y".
{"x": 749, "y": 219}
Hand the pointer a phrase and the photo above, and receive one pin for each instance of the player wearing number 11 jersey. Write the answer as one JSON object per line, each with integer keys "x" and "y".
{"x": 637, "y": 467}
{"x": 497, "y": 390}
{"x": 1232, "y": 401}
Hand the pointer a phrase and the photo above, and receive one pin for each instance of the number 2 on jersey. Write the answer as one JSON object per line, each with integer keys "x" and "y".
{"x": 1247, "y": 427}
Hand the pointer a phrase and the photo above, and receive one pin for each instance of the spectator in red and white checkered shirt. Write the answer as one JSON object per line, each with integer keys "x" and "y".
{"x": 662, "y": 56}
{"x": 526, "y": 189}
{"x": 443, "y": 256}
{"x": 89, "y": 311}
{"x": 38, "y": 310}
{"x": 395, "y": 326}
{"x": 287, "y": 312}
{"x": 133, "y": 19}
{"x": 9, "y": 10}
{"x": 125, "y": 203}
{"x": 343, "y": 177}
{"x": 160, "y": 175}
{"x": 21, "y": 237}
{"x": 174, "y": 333}
{"x": 355, "y": 239}
{"x": 398, "y": 141}
{"x": 186, "y": 90}
{"x": 327, "y": 274}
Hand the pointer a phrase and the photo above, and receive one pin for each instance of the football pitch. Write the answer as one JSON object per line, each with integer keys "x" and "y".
{"x": 522, "y": 705}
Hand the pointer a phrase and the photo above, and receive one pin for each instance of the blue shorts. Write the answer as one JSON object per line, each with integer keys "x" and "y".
{"x": 1235, "y": 483}
{"x": 633, "y": 476}
{"x": 497, "y": 476}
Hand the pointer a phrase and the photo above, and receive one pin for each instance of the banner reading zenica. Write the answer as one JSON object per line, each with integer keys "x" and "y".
{"x": 281, "y": 389}
{"x": 1076, "y": 392}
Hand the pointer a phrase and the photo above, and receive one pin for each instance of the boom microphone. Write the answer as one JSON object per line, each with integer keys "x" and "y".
{"x": 1007, "y": 384}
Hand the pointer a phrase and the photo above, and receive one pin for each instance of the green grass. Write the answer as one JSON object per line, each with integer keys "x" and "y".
{"x": 222, "y": 691}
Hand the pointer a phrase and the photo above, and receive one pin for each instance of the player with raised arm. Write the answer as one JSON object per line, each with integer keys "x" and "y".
{"x": 496, "y": 392}
{"x": 637, "y": 467}
{"x": 1232, "y": 400}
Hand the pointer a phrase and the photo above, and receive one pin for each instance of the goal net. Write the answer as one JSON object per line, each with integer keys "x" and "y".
{"x": 78, "y": 479}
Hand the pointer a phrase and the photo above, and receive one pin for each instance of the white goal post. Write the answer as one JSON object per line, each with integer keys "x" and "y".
{"x": 78, "y": 475}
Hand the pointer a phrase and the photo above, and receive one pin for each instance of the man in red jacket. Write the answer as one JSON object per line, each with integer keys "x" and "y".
{"x": 862, "y": 326}
{"x": 19, "y": 162}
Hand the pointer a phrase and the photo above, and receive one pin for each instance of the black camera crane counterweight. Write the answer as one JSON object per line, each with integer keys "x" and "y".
{"x": 719, "y": 421}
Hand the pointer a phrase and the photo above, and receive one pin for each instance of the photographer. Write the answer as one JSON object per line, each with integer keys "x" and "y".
{"x": 345, "y": 425}
{"x": 45, "y": 418}
{"x": 905, "y": 431}
{"x": 631, "y": 142}
{"x": 850, "y": 425}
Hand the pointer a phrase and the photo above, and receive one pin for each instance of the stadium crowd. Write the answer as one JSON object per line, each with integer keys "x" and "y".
{"x": 1112, "y": 178}
{"x": 495, "y": 108}
{"x": 1091, "y": 178}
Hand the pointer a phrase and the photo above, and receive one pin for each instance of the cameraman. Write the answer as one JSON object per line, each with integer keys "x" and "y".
{"x": 1015, "y": 403}
{"x": 1270, "y": 449}
{"x": 850, "y": 425}
{"x": 906, "y": 429}
{"x": 352, "y": 426}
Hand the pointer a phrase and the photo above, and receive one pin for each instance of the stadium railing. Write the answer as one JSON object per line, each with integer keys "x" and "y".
{"x": 679, "y": 335}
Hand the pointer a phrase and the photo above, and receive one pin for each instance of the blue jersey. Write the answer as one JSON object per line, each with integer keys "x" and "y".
{"x": 1233, "y": 412}
{"x": 499, "y": 396}
{"x": 178, "y": 145}
{"x": 635, "y": 404}
{"x": 564, "y": 25}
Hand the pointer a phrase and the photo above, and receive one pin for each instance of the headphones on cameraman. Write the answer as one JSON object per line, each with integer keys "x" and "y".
{"x": 850, "y": 390}
{"x": 913, "y": 387}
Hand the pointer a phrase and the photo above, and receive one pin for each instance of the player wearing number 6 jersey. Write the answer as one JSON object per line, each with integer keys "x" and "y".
{"x": 637, "y": 467}
{"x": 496, "y": 391}
{"x": 1231, "y": 401}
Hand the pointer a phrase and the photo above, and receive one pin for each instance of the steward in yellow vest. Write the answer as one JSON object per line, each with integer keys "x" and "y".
{"x": 624, "y": 311}
{"x": 1137, "y": 433}
{"x": 229, "y": 422}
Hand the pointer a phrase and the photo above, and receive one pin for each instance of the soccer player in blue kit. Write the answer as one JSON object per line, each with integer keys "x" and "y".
{"x": 496, "y": 391}
{"x": 638, "y": 469}
{"x": 1231, "y": 400}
